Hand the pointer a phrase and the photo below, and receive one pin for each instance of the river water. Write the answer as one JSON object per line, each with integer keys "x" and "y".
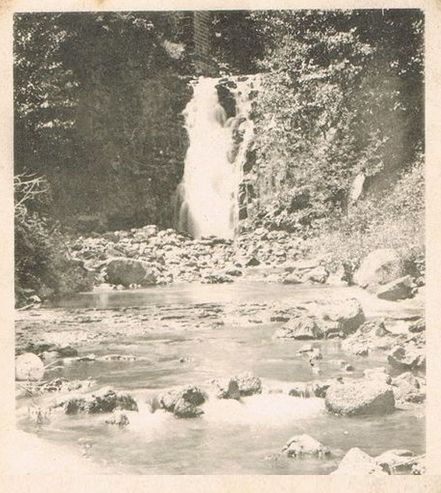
{"x": 188, "y": 335}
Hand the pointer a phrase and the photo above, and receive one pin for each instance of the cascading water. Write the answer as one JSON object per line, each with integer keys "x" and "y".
{"x": 207, "y": 195}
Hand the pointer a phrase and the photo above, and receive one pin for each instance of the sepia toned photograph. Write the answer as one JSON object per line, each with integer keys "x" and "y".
{"x": 219, "y": 242}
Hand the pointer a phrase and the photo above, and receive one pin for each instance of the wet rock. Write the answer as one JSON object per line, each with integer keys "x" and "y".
{"x": 248, "y": 261}
{"x": 360, "y": 397}
{"x": 397, "y": 461}
{"x": 233, "y": 272}
{"x": 292, "y": 278}
{"x": 379, "y": 267}
{"x": 65, "y": 385}
{"x": 300, "y": 445}
{"x": 227, "y": 389}
{"x": 104, "y": 401}
{"x": 29, "y": 366}
{"x": 127, "y": 271}
{"x": 119, "y": 419}
{"x": 248, "y": 384}
{"x": 370, "y": 336}
{"x": 418, "y": 326}
{"x": 300, "y": 328}
{"x": 396, "y": 290}
{"x": 185, "y": 409}
{"x": 318, "y": 274}
{"x": 183, "y": 402}
{"x": 408, "y": 388}
{"x": 407, "y": 357}
{"x": 218, "y": 278}
{"x": 38, "y": 348}
{"x": 358, "y": 463}
{"x": 317, "y": 388}
{"x": 321, "y": 387}
{"x": 345, "y": 316}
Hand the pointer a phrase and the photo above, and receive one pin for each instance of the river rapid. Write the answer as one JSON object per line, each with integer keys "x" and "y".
{"x": 190, "y": 334}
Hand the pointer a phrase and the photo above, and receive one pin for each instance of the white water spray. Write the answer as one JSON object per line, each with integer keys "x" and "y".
{"x": 207, "y": 195}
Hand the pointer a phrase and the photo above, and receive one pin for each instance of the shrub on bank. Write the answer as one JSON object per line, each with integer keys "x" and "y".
{"x": 393, "y": 218}
{"x": 42, "y": 263}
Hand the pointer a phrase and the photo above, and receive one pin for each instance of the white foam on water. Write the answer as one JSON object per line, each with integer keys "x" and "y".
{"x": 268, "y": 410}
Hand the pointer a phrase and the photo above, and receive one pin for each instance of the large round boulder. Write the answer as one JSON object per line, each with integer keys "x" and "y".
{"x": 127, "y": 271}
{"x": 379, "y": 267}
{"x": 360, "y": 397}
{"x": 28, "y": 366}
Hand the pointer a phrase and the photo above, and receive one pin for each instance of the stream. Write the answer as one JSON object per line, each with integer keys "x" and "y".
{"x": 189, "y": 334}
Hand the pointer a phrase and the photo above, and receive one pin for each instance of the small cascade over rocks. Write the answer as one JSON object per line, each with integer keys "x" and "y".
{"x": 208, "y": 194}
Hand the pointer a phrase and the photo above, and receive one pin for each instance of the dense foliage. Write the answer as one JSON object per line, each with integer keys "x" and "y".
{"x": 42, "y": 263}
{"x": 342, "y": 95}
{"x": 97, "y": 101}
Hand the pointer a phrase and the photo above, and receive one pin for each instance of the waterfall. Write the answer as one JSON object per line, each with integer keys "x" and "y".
{"x": 208, "y": 193}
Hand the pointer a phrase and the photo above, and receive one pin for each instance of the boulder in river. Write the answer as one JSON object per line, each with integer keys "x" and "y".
{"x": 396, "y": 290}
{"x": 292, "y": 278}
{"x": 216, "y": 278}
{"x": 301, "y": 328}
{"x": 227, "y": 389}
{"x": 247, "y": 261}
{"x": 29, "y": 367}
{"x": 103, "y": 401}
{"x": 418, "y": 326}
{"x": 360, "y": 397}
{"x": 118, "y": 418}
{"x": 358, "y": 463}
{"x": 408, "y": 388}
{"x": 301, "y": 445}
{"x": 345, "y": 316}
{"x": 248, "y": 384}
{"x": 183, "y": 402}
{"x": 64, "y": 385}
{"x": 127, "y": 271}
{"x": 407, "y": 357}
{"x": 379, "y": 267}
{"x": 397, "y": 460}
{"x": 318, "y": 274}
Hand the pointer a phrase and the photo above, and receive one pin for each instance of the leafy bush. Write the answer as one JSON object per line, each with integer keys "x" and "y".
{"x": 42, "y": 263}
